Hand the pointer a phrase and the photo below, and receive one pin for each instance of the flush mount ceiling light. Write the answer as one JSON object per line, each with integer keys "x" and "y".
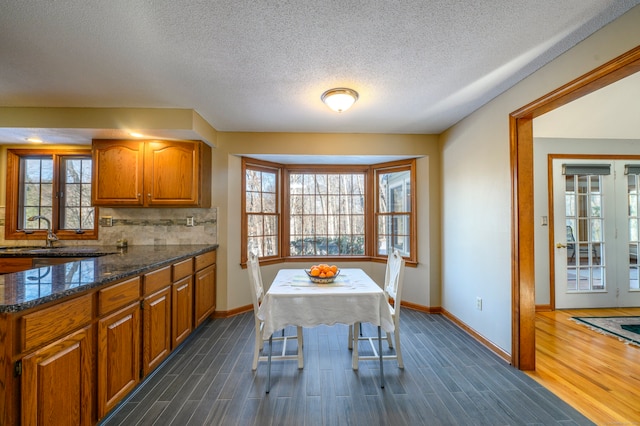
{"x": 339, "y": 99}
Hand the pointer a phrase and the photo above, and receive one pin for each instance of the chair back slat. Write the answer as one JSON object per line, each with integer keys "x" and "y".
{"x": 255, "y": 278}
{"x": 394, "y": 276}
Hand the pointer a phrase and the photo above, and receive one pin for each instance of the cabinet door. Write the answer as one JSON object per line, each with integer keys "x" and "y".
{"x": 57, "y": 382}
{"x": 118, "y": 356}
{"x": 156, "y": 329}
{"x": 172, "y": 173}
{"x": 204, "y": 294}
{"x": 182, "y": 308}
{"x": 117, "y": 173}
{"x": 15, "y": 264}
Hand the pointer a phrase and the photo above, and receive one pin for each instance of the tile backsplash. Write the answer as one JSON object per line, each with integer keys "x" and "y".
{"x": 146, "y": 226}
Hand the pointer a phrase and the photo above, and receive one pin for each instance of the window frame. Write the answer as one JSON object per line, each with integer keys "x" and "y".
{"x": 286, "y": 197}
{"x": 396, "y": 167}
{"x": 264, "y": 166}
{"x": 371, "y": 173}
{"x": 12, "y": 232}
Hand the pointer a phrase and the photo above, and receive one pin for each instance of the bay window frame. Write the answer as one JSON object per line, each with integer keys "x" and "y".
{"x": 265, "y": 166}
{"x": 371, "y": 214}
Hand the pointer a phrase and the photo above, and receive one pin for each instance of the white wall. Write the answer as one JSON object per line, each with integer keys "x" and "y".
{"x": 476, "y": 198}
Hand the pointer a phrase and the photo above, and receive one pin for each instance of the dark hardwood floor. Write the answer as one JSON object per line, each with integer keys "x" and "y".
{"x": 448, "y": 379}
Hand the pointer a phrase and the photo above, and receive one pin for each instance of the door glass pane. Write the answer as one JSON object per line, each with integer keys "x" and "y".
{"x": 585, "y": 237}
{"x": 632, "y": 202}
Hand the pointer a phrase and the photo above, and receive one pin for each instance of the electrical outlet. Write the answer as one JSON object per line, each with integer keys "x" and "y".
{"x": 479, "y": 303}
{"x": 107, "y": 221}
{"x": 189, "y": 220}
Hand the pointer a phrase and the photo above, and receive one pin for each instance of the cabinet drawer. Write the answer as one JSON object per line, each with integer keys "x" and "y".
{"x": 156, "y": 280}
{"x": 182, "y": 269}
{"x": 118, "y": 295}
{"x": 51, "y": 323}
{"x": 204, "y": 260}
{"x": 15, "y": 264}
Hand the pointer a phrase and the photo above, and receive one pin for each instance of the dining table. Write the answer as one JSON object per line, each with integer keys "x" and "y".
{"x": 294, "y": 300}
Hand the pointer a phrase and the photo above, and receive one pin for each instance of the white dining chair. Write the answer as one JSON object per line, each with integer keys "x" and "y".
{"x": 393, "y": 281}
{"x": 257, "y": 294}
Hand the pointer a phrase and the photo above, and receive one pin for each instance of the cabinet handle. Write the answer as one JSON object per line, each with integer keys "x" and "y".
{"x": 139, "y": 195}
{"x": 149, "y": 195}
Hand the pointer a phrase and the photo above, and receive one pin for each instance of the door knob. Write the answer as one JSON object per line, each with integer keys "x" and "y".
{"x": 560, "y": 245}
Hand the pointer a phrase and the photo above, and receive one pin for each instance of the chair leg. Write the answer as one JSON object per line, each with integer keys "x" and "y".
{"x": 300, "y": 358}
{"x": 256, "y": 350}
{"x": 351, "y": 336}
{"x": 396, "y": 334}
{"x": 258, "y": 332}
{"x": 381, "y": 357}
{"x": 269, "y": 364}
{"x": 389, "y": 339}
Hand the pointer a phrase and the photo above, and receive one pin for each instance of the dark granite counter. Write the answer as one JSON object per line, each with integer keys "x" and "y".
{"x": 68, "y": 251}
{"x": 23, "y": 290}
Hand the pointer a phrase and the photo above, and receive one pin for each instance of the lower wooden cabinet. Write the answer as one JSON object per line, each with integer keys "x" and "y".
{"x": 156, "y": 329}
{"x": 15, "y": 264}
{"x": 204, "y": 294}
{"x": 73, "y": 361}
{"x": 57, "y": 382}
{"x": 118, "y": 356}
{"x": 182, "y": 309}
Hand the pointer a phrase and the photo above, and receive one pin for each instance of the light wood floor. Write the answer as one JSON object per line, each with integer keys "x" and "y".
{"x": 596, "y": 374}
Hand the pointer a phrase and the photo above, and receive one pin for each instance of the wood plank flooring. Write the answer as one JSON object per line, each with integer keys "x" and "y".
{"x": 597, "y": 374}
{"x": 448, "y": 379}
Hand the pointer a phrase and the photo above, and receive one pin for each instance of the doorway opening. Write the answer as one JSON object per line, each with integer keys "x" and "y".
{"x": 521, "y": 149}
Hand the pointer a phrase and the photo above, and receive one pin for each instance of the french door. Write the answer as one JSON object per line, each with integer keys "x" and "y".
{"x": 596, "y": 217}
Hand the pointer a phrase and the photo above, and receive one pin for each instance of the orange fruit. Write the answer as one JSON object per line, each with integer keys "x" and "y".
{"x": 333, "y": 268}
{"x": 315, "y": 271}
{"x": 329, "y": 273}
{"x": 323, "y": 275}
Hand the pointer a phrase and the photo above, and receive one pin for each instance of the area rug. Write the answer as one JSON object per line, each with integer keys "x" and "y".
{"x": 626, "y": 329}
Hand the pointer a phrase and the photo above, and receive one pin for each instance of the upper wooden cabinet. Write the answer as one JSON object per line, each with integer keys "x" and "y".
{"x": 151, "y": 173}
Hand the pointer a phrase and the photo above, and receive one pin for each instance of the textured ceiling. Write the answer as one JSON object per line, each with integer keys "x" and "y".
{"x": 419, "y": 66}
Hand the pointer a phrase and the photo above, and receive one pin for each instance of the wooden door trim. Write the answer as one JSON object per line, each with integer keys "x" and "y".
{"x": 522, "y": 219}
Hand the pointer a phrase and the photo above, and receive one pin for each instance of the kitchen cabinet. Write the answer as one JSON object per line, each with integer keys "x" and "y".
{"x": 156, "y": 318}
{"x": 181, "y": 302}
{"x": 72, "y": 360}
{"x": 158, "y": 173}
{"x": 57, "y": 382}
{"x": 118, "y": 343}
{"x": 204, "y": 287}
{"x": 57, "y": 373}
{"x": 15, "y": 264}
{"x": 117, "y": 173}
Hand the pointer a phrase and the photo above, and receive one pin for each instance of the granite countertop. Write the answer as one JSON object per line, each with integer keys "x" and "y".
{"x": 62, "y": 251}
{"x": 23, "y": 290}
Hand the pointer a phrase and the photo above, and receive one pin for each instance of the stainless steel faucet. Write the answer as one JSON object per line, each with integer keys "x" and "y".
{"x": 51, "y": 237}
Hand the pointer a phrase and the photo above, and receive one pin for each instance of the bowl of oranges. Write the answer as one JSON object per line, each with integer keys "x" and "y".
{"x": 322, "y": 273}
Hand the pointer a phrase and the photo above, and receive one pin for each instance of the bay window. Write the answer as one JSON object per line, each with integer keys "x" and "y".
{"x": 320, "y": 212}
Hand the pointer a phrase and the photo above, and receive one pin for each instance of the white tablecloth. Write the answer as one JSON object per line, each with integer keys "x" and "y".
{"x": 294, "y": 300}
